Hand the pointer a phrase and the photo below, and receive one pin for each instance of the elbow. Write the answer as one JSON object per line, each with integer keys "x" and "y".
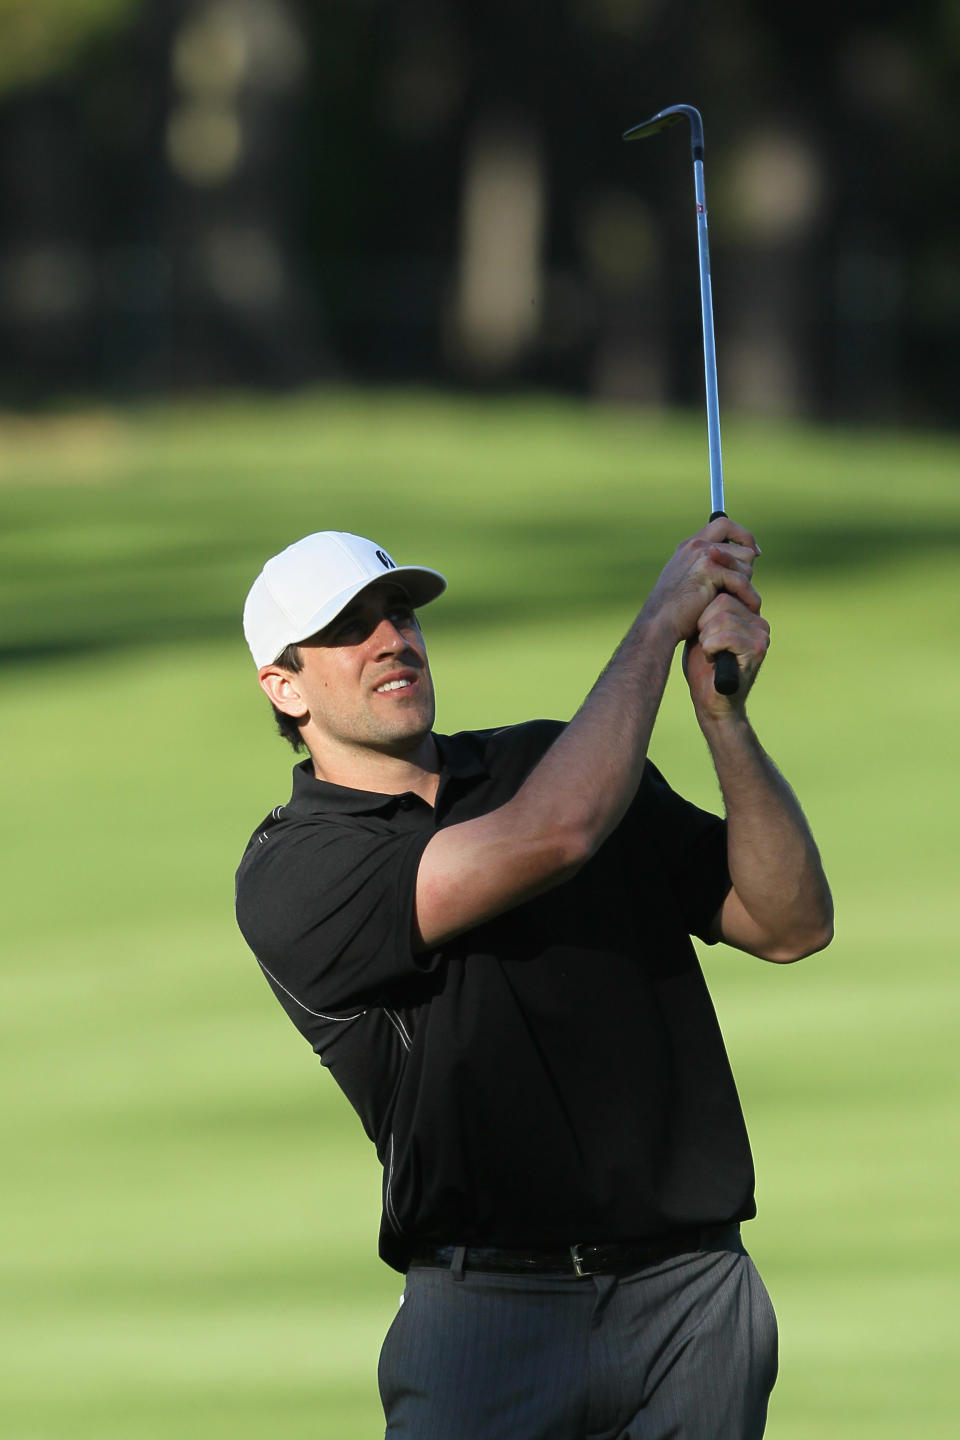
{"x": 563, "y": 848}
{"x": 543, "y": 861}
{"x": 789, "y": 949}
{"x": 547, "y": 850}
{"x": 570, "y": 849}
{"x": 811, "y": 930}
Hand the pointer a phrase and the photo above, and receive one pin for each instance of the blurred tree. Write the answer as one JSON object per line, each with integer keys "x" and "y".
{"x": 151, "y": 235}
{"x": 40, "y": 38}
{"x": 266, "y": 191}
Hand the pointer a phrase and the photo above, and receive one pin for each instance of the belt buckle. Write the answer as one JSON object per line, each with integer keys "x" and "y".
{"x": 579, "y": 1263}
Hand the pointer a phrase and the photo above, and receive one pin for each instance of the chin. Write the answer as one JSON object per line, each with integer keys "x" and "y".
{"x": 404, "y": 735}
{"x": 414, "y": 735}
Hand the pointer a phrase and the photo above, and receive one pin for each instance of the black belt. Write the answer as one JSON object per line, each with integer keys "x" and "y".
{"x": 581, "y": 1260}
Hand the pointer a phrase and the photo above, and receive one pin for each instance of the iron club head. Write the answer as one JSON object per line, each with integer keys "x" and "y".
{"x": 672, "y": 115}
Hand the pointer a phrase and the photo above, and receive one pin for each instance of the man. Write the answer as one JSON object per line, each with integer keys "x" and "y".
{"x": 486, "y": 939}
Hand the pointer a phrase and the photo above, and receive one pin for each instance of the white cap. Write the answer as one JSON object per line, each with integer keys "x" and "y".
{"x": 307, "y": 585}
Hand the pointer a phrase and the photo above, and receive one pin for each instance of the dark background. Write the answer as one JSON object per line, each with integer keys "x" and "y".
{"x": 206, "y": 193}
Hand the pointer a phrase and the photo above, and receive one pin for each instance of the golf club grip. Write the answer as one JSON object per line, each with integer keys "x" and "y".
{"x": 726, "y": 671}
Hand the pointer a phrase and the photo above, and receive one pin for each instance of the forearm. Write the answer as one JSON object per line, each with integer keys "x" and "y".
{"x": 775, "y": 866}
{"x": 590, "y": 774}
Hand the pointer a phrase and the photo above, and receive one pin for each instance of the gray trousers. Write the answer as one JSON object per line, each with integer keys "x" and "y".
{"x": 682, "y": 1350}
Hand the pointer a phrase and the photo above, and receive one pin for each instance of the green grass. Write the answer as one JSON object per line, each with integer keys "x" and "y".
{"x": 189, "y": 1210}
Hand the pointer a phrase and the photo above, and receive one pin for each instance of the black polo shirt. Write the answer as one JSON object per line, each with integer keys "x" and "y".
{"x": 554, "y": 1076}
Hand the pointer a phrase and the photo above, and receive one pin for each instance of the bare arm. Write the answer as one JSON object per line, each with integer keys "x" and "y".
{"x": 581, "y": 788}
{"x": 780, "y": 906}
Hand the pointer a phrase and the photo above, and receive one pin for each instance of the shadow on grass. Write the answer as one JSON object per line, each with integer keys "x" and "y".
{"x": 130, "y": 586}
{"x": 174, "y": 591}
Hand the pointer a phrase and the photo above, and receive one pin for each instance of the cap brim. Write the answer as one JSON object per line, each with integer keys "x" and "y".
{"x": 419, "y": 583}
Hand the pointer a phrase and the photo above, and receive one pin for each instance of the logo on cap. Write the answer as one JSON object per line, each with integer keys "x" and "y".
{"x": 385, "y": 560}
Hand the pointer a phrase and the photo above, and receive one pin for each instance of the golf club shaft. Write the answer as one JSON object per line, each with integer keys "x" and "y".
{"x": 709, "y": 345}
{"x": 726, "y": 672}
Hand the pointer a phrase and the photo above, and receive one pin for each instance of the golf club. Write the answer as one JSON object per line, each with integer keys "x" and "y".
{"x": 726, "y": 673}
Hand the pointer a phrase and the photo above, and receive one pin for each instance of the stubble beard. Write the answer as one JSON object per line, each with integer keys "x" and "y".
{"x": 406, "y": 730}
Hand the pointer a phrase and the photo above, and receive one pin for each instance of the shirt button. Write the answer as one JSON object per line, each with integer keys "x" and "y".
{"x": 407, "y": 802}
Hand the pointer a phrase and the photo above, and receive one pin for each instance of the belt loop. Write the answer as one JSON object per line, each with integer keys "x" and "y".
{"x": 457, "y": 1262}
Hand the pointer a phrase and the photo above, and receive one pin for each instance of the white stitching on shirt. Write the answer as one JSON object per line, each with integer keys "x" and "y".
{"x": 319, "y": 1013}
{"x": 399, "y": 1026}
{"x": 388, "y": 1204}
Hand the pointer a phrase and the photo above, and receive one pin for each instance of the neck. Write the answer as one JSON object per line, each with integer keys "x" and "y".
{"x": 360, "y": 768}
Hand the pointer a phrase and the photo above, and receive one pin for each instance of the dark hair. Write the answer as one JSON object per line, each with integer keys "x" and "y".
{"x": 289, "y": 659}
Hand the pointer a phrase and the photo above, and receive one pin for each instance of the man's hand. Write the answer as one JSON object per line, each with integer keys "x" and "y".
{"x": 717, "y": 561}
{"x": 726, "y": 624}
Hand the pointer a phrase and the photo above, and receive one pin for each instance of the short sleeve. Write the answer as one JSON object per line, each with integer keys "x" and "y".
{"x": 328, "y": 910}
{"x": 689, "y": 847}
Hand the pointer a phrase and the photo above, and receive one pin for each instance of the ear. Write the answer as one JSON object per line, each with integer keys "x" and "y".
{"x": 280, "y": 687}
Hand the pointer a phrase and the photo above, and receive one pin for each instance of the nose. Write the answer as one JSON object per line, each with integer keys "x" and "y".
{"x": 388, "y": 639}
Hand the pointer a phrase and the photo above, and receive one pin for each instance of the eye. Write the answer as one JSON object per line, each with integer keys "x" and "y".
{"x": 345, "y": 630}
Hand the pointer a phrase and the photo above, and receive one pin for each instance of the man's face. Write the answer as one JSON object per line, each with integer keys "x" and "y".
{"x": 365, "y": 680}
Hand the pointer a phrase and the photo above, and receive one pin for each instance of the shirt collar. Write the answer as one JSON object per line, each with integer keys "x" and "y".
{"x": 461, "y": 754}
